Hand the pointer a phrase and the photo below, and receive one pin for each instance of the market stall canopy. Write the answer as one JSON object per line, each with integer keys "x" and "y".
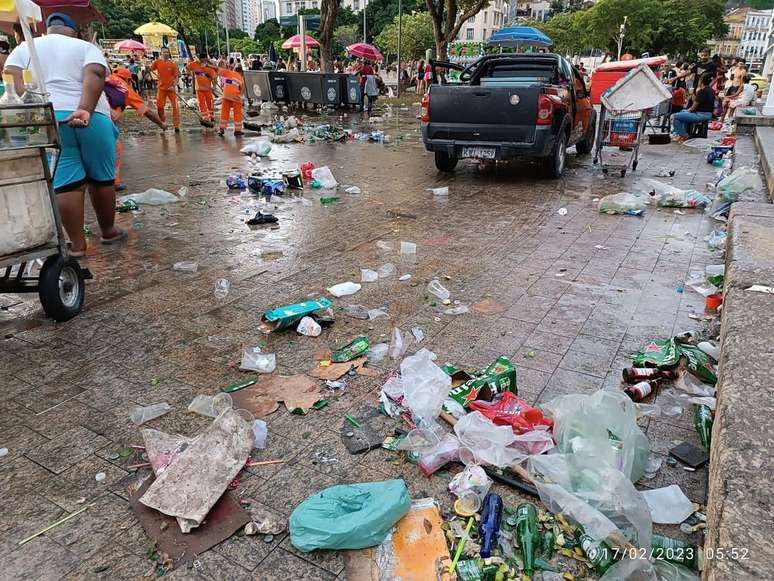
{"x": 517, "y": 36}
{"x": 366, "y": 51}
{"x": 152, "y": 28}
{"x": 130, "y": 45}
{"x": 295, "y": 42}
{"x": 81, "y": 11}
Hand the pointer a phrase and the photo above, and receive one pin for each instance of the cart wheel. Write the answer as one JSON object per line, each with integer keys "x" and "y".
{"x": 61, "y": 288}
{"x": 604, "y": 170}
{"x": 623, "y": 173}
{"x": 634, "y": 165}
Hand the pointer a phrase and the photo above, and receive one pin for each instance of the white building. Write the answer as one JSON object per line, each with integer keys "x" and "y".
{"x": 533, "y": 10}
{"x": 250, "y": 15}
{"x": 482, "y": 25}
{"x": 755, "y": 37}
{"x": 268, "y": 9}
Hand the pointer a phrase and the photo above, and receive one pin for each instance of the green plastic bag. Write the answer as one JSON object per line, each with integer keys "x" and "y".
{"x": 349, "y": 516}
{"x": 658, "y": 353}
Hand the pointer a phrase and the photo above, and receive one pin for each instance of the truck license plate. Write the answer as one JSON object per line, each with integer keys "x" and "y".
{"x": 479, "y": 152}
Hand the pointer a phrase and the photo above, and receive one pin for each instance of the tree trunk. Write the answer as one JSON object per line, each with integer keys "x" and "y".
{"x": 328, "y": 11}
{"x": 441, "y": 49}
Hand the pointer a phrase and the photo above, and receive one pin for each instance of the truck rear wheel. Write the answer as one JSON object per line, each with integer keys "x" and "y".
{"x": 445, "y": 162}
{"x": 553, "y": 165}
{"x": 585, "y": 145}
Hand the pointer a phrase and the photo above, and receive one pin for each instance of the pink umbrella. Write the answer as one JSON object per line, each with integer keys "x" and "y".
{"x": 366, "y": 51}
{"x": 295, "y": 42}
{"x": 130, "y": 45}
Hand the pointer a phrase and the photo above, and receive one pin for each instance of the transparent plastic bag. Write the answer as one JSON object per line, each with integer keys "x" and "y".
{"x": 623, "y": 203}
{"x": 668, "y": 196}
{"x": 261, "y": 147}
{"x": 344, "y": 289}
{"x": 210, "y": 405}
{"x": 253, "y": 359}
{"x": 594, "y": 495}
{"x": 602, "y": 425}
{"x": 740, "y": 180}
{"x": 425, "y": 385}
{"x": 325, "y": 176}
{"x": 397, "y": 344}
{"x": 489, "y": 443}
{"x": 471, "y": 480}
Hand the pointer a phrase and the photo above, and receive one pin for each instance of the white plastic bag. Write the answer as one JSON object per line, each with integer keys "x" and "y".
{"x": 344, "y": 289}
{"x": 602, "y": 425}
{"x": 594, "y": 495}
{"x": 668, "y": 505}
{"x": 325, "y": 176}
{"x": 740, "y": 180}
{"x": 425, "y": 385}
{"x": 668, "y": 196}
{"x": 623, "y": 203}
{"x": 253, "y": 359}
{"x": 309, "y": 327}
{"x": 260, "y": 433}
{"x": 489, "y": 443}
{"x": 150, "y": 197}
{"x": 260, "y": 147}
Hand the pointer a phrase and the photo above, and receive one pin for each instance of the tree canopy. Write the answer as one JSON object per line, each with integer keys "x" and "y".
{"x": 417, "y": 35}
{"x": 123, "y": 16}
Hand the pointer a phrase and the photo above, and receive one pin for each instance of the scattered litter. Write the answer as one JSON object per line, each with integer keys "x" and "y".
{"x": 236, "y": 182}
{"x": 436, "y": 289}
{"x": 367, "y": 275}
{"x": 3, "y": 452}
{"x": 665, "y": 172}
{"x": 562, "y": 211}
{"x": 600, "y": 247}
{"x": 222, "y": 287}
{"x": 623, "y": 203}
{"x": 667, "y": 195}
{"x": 688, "y": 454}
{"x": 653, "y": 466}
{"x": 100, "y": 476}
{"x": 261, "y": 218}
{"x": 386, "y": 270}
{"x": 298, "y": 392}
{"x": 739, "y": 181}
{"x": 384, "y": 246}
{"x": 289, "y": 315}
{"x": 336, "y": 370}
{"x": 408, "y": 247}
{"x": 397, "y": 346}
{"x": 458, "y": 310}
{"x": 444, "y": 191}
{"x": 150, "y": 197}
{"x": 405, "y": 277}
{"x": 353, "y": 190}
{"x": 56, "y": 524}
{"x": 260, "y": 433}
{"x": 141, "y": 414}
{"x": 325, "y": 177}
{"x": 354, "y": 349}
{"x": 376, "y": 313}
{"x": 349, "y": 516}
{"x": 260, "y": 147}
{"x": 344, "y": 289}
{"x": 668, "y": 505}
{"x": 378, "y": 352}
{"x": 186, "y": 266}
{"x": 419, "y": 334}
{"x": 759, "y": 288}
{"x": 309, "y": 327}
{"x": 254, "y": 359}
{"x": 210, "y": 405}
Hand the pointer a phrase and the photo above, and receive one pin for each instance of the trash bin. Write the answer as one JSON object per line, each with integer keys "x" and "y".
{"x": 278, "y": 84}
{"x": 331, "y": 90}
{"x": 352, "y": 93}
{"x": 306, "y": 88}
{"x": 257, "y": 85}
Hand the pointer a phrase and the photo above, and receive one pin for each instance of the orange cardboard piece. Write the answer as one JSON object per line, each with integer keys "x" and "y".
{"x": 336, "y": 370}
{"x": 419, "y": 544}
{"x": 262, "y": 398}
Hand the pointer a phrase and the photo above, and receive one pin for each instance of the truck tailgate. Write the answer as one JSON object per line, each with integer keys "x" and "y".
{"x": 481, "y": 113}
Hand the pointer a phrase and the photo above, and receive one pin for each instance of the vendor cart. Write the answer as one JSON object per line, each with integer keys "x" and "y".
{"x": 31, "y": 232}
{"x": 30, "y": 227}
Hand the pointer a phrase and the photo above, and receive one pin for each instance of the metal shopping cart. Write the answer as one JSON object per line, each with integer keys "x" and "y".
{"x": 621, "y": 130}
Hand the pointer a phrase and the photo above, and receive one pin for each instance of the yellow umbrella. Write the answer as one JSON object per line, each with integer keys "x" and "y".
{"x": 155, "y": 28}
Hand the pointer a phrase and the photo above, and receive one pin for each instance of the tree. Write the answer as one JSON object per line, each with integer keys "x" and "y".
{"x": 328, "y": 11}
{"x": 346, "y": 35}
{"x": 179, "y": 13}
{"x": 346, "y": 17}
{"x": 123, "y": 16}
{"x": 246, "y": 46}
{"x": 565, "y": 29}
{"x": 267, "y": 32}
{"x": 416, "y": 38}
{"x": 760, "y": 4}
{"x": 381, "y": 13}
{"x": 447, "y": 20}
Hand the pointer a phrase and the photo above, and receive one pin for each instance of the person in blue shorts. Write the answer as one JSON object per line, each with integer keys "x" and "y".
{"x": 74, "y": 72}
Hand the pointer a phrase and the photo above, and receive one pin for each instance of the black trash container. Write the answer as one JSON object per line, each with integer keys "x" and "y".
{"x": 331, "y": 89}
{"x": 278, "y": 84}
{"x": 306, "y": 88}
{"x": 353, "y": 95}
{"x": 257, "y": 86}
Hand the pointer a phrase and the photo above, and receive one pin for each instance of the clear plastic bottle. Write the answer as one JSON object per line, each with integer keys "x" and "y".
{"x": 222, "y": 286}
{"x": 11, "y": 114}
{"x": 36, "y": 134}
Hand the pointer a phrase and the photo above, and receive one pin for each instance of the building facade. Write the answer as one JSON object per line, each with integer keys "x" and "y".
{"x": 231, "y": 14}
{"x": 482, "y": 25}
{"x": 728, "y": 46}
{"x": 755, "y": 37}
{"x": 522, "y": 9}
{"x": 250, "y": 15}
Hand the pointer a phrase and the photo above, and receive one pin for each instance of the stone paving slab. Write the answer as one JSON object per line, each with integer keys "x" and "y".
{"x": 580, "y": 293}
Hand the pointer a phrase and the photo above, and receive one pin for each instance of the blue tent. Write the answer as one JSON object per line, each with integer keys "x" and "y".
{"x": 516, "y": 36}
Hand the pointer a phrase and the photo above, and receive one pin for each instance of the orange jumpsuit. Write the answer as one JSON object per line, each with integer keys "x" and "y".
{"x": 168, "y": 73}
{"x": 123, "y": 77}
{"x": 232, "y": 99}
{"x": 204, "y": 76}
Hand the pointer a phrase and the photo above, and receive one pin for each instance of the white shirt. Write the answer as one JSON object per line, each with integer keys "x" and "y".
{"x": 62, "y": 59}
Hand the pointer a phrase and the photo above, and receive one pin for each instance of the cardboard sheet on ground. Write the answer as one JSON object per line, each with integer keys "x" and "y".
{"x": 415, "y": 551}
{"x": 336, "y": 370}
{"x": 190, "y": 486}
{"x": 223, "y": 520}
{"x": 263, "y": 398}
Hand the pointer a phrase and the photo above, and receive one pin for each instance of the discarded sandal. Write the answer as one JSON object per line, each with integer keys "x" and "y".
{"x": 261, "y": 218}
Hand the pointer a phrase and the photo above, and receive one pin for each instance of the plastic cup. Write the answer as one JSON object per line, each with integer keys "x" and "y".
{"x": 469, "y": 502}
{"x": 713, "y": 302}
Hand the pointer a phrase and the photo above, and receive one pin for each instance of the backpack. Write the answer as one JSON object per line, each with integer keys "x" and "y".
{"x": 116, "y": 94}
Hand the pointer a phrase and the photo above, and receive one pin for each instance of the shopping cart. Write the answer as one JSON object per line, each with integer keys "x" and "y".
{"x": 621, "y": 130}
{"x": 33, "y": 250}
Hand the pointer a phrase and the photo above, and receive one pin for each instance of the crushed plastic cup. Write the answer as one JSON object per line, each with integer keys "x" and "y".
{"x": 309, "y": 327}
{"x": 186, "y": 266}
{"x": 386, "y": 270}
{"x": 384, "y": 246}
{"x": 408, "y": 247}
{"x": 376, "y": 313}
{"x": 405, "y": 277}
{"x": 472, "y": 481}
{"x": 344, "y": 289}
{"x": 253, "y": 359}
{"x": 444, "y": 191}
{"x": 436, "y": 289}
{"x": 353, "y": 190}
{"x": 378, "y": 352}
{"x": 260, "y": 433}
{"x": 141, "y": 414}
{"x": 469, "y": 502}
{"x": 397, "y": 345}
{"x": 419, "y": 334}
{"x": 368, "y": 275}
{"x": 458, "y": 310}
{"x": 210, "y": 405}
{"x": 222, "y": 286}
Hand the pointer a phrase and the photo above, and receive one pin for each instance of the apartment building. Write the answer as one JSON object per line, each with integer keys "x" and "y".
{"x": 482, "y": 25}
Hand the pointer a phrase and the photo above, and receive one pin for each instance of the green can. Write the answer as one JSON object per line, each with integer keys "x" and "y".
{"x": 702, "y": 421}
{"x": 676, "y": 551}
{"x": 597, "y": 552}
{"x": 354, "y": 349}
{"x": 498, "y": 377}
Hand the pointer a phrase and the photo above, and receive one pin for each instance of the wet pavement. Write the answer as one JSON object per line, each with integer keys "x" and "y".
{"x": 579, "y": 293}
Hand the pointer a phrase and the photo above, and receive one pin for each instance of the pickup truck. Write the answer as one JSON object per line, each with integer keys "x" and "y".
{"x": 508, "y": 106}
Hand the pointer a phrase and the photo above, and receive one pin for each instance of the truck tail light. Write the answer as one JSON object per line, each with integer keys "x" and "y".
{"x": 425, "y": 112}
{"x": 545, "y": 113}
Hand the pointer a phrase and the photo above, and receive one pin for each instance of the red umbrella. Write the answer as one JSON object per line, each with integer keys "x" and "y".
{"x": 366, "y": 51}
{"x": 295, "y": 42}
{"x": 130, "y": 45}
